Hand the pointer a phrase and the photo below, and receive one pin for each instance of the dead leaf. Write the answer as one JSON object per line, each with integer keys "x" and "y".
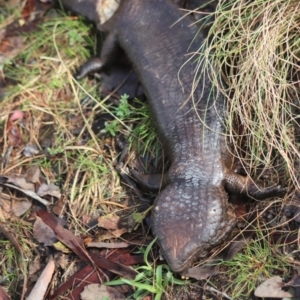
{"x": 33, "y": 174}
{"x": 109, "y": 222}
{"x": 119, "y": 232}
{"x": 19, "y": 208}
{"x": 18, "y": 180}
{"x": 77, "y": 246}
{"x": 86, "y": 219}
{"x": 31, "y": 150}
{"x": 10, "y": 47}
{"x": 272, "y": 288}
{"x": 211, "y": 267}
{"x": 236, "y": 245}
{"x": 5, "y": 206}
{"x": 3, "y": 294}
{"x": 64, "y": 235}
{"x": 49, "y": 189}
{"x": 60, "y": 206}
{"x": 34, "y": 268}
{"x": 99, "y": 292}
{"x": 40, "y": 288}
{"x": 13, "y": 131}
{"x": 28, "y": 9}
{"x": 82, "y": 277}
{"x": 105, "y": 236}
{"x": 43, "y": 233}
{"x": 107, "y": 245}
{"x": 124, "y": 258}
{"x": 15, "y": 207}
{"x": 28, "y": 193}
{"x": 7, "y": 156}
{"x": 112, "y": 223}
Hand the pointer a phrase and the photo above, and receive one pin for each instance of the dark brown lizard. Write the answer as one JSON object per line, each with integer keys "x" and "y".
{"x": 191, "y": 214}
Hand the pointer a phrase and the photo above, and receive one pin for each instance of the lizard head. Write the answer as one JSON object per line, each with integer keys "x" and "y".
{"x": 190, "y": 222}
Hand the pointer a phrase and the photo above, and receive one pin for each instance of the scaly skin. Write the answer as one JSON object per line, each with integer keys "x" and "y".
{"x": 191, "y": 215}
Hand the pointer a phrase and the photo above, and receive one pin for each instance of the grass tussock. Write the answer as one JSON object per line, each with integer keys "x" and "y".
{"x": 254, "y": 48}
{"x": 258, "y": 261}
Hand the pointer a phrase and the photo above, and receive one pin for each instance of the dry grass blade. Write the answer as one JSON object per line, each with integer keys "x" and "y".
{"x": 254, "y": 47}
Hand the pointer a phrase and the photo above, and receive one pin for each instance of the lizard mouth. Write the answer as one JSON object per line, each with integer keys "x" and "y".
{"x": 180, "y": 267}
{"x": 181, "y": 251}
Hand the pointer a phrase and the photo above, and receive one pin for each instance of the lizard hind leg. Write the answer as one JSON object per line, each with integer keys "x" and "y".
{"x": 238, "y": 184}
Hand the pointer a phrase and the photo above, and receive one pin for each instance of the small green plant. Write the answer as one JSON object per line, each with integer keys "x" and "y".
{"x": 150, "y": 279}
{"x": 123, "y": 110}
{"x": 56, "y": 83}
{"x": 112, "y": 127}
{"x": 75, "y": 37}
{"x": 45, "y": 163}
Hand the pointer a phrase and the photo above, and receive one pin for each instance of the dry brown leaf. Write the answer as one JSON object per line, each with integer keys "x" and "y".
{"x": 76, "y": 244}
{"x": 10, "y": 47}
{"x": 80, "y": 278}
{"x": 19, "y": 181}
{"x": 110, "y": 222}
{"x": 49, "y": 189}
{"x": 105, "y": 236}
{"x": 31, "y": 150}
{"x": 202, "y": 272}
{"x": 60, "y": 206}
{"x": 34, "y": 268}
{"x": 124, "y": 258}
{"x": 4, "y": 295}
{"x": 40, "y": 288}
{"x": 106, "y": 245}
{"x": 117, "y": 233}
{"x": 26, "y": 192}
{"x": 99, "y": 292}
{"x": 17, "y": 208}
{"x": 33, "y": 174}
{"x": 272, "y": 288}
{"x": 14, "y": 136}
{"x": 43, "y": 233}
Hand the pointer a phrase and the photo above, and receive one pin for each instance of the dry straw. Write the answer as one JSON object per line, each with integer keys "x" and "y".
{"x": 254, "y": 47}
